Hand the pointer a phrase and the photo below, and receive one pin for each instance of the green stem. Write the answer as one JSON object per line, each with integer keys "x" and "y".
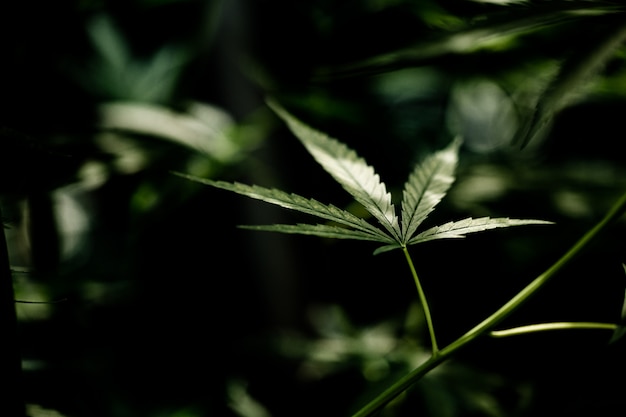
{"x": 422, "y": 296}
{"x": 542, "y": 327}
{"x": 408, "y": 380}
{"x": 10, "y": 361}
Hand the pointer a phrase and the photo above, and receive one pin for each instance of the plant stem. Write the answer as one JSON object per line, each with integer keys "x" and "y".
{"x": 10, "y": 361}
{"x": 408, "y": 380}
{"x": 422, "y": 296}
{"x": 542, "y": 327}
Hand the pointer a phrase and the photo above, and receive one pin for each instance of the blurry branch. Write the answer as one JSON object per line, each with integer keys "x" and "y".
{"x": 41, "y": 302}
{"x": 10, "y": 360}
{"x": 495, "y": 29}
{"x": 569, "y": 83}
{"x": 371, "y": 408}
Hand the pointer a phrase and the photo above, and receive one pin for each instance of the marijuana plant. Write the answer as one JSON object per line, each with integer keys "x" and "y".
{"x": 426, "y": 186}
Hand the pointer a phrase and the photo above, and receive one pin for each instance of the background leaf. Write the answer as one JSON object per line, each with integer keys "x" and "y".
{"x": 576, "y": 72}
{"x": 483, "y": 33}
{"x": 151, "y": 263}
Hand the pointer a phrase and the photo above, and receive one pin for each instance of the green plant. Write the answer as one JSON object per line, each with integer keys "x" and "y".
{"x": 425, "y": 188}
{"x": 10, "y": 365}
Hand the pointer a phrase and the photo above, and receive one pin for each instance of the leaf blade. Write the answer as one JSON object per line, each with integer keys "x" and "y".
{"x": 387, "y": 248}
{"x": 458, "y": 229}
{"x": 320, "y": 230}
{"x": 574, "y": 73}
{"x": 427, "y": 185}
{"x": 347, "y": 168}
{"x": 295, "y": 202}
{"x": 475, "y": 37}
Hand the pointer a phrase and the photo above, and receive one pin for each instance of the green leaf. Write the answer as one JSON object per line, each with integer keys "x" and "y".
{"x": 298, "y": 203}
{"x": 575, "y": 72}
{"x": 460, "y": 228}
{"x": 387, "y": 248}
{"x": 483, "y": 33}
{"x": 426, "y": 186}
{"x": 347, "y": 168}
{"x": 321, "y": 230}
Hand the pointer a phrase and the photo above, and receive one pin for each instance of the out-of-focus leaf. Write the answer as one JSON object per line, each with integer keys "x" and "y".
{"x": 483, "y": 114}
{"x": 35, "y": 410}
{"x": 498, "y": 27}
{"x": 108, "y": 43}
{"x": 202, "y": 127}
{"x": 569, "y": 83}
{"x": 242, "y": 403}
{"x": 116, "y": 74}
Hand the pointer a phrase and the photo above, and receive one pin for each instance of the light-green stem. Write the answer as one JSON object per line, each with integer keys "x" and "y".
{"x": 486, "y": 325}
{"x": 543, "y": 327}
{"x": 424, "y": 301}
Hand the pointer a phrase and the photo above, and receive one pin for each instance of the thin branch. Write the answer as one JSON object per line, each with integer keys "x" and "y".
{"x": 542, "y": 327}
{"x": 10, "y": 361}
{"x": 423, "y": 300}
{"x": 486, "y": 325}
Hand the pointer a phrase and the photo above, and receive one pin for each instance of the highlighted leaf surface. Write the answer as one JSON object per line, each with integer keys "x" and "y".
{"x": 321, "y": 230}
{"x": 426, "y": 187}
{"x": 301, "y": 204}
{"x": 462, "y": 227}
{"x": 348, "y": 169}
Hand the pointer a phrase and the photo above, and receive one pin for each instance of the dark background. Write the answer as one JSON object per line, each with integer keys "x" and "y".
{"x": 161, "y": 306}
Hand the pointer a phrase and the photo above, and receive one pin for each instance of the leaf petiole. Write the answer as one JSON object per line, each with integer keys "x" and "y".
{"x": 423, "y": 300}
{"x": 494, "y": 319}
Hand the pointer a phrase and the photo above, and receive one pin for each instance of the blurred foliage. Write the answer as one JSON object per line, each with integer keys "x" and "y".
{"x": 161, "y": 307}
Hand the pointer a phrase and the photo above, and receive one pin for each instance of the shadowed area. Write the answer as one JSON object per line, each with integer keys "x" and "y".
{"x": 133, "y": 291}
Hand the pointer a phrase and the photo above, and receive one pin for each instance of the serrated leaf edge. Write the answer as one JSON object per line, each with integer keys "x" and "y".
{"x": 460, "y": 228}
{"x": 321, "y": 230}
{"x": 427, "y": 186}
{"x": 347, "y": 168}
{"x": 297, "y": 203}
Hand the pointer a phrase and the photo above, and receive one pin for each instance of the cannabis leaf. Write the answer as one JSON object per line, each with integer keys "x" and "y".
{"x": 424, "y": 189}
{"x": 575, "y": 72}
{"x": 348, "y": 169}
